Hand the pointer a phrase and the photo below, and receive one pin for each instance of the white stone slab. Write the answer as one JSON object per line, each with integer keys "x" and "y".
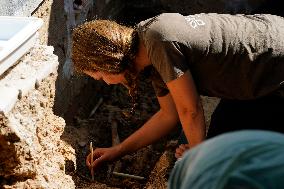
{"x": 8, "y": 98}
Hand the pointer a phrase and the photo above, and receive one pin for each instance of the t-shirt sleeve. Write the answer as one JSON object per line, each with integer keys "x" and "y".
{"x": 168, "y": 59}
{"x": 158, "y": 84}
{"x": 166, "y": 56}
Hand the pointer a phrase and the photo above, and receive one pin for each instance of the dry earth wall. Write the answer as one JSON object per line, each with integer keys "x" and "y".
{"x": 32, "y": 154}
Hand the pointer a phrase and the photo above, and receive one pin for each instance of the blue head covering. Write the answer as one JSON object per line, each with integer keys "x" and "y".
{"x": 236, "y": 160}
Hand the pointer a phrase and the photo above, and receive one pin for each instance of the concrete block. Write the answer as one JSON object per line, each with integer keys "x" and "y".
{"x": 25, "y": 85}
{"x": 48, "y": 68}
{"x": 8, "y": 98}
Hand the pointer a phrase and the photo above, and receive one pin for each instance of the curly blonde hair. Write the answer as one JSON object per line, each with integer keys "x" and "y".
{"x": 103, "y": 45}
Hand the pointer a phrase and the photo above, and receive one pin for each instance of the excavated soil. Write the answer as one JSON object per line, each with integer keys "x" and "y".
{"x": 153, "y": 163}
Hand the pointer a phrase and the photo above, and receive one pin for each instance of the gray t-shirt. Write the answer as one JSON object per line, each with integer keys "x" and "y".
{"x": 229, "y": 56}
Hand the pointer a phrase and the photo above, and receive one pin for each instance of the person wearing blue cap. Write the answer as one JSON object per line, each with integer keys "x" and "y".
{"x": 249, "y": 159}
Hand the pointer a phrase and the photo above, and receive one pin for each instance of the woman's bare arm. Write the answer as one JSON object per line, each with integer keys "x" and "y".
{"x": 159, "y": 125}
{"x": 189, "y": 108}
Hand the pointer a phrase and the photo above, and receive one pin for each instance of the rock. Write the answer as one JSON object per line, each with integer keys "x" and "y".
{"x": 31, "y": 149}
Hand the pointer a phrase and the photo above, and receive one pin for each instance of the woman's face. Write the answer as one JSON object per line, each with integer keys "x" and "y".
{"x": 109, "y": 78}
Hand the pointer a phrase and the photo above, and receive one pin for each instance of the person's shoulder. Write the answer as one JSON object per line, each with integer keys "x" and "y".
{"x": 159, "y": 19}
{"x": 169, "y": 16}
{"x": 158, "y": 26}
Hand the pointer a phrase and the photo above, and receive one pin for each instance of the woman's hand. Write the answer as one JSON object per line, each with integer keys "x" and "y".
{"x": 181, "y": 150}
{"x": 101, "y": 155}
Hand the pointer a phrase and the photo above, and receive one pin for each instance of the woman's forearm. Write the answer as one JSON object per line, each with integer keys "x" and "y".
{"x": 193, "y": 124}
{"x": 155, "y": 128}
{"x": 189, "y": 107}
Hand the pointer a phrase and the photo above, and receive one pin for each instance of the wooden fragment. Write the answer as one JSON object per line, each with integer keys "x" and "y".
{"x": 92, "y": 159}
{"x": 96, "y": 107}
{"x": 128, "y": 175}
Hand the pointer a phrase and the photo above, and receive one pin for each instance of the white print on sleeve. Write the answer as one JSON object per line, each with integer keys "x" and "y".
{"x": 194, "y": 21}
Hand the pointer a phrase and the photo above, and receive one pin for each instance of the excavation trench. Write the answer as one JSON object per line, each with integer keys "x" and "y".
{"x": 31, "y": 140}
{"x": 98, "y": 111}
{"x": 95, "y": 116}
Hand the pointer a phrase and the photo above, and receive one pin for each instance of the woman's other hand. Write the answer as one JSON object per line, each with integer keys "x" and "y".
{"x": 181, "y": 150}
